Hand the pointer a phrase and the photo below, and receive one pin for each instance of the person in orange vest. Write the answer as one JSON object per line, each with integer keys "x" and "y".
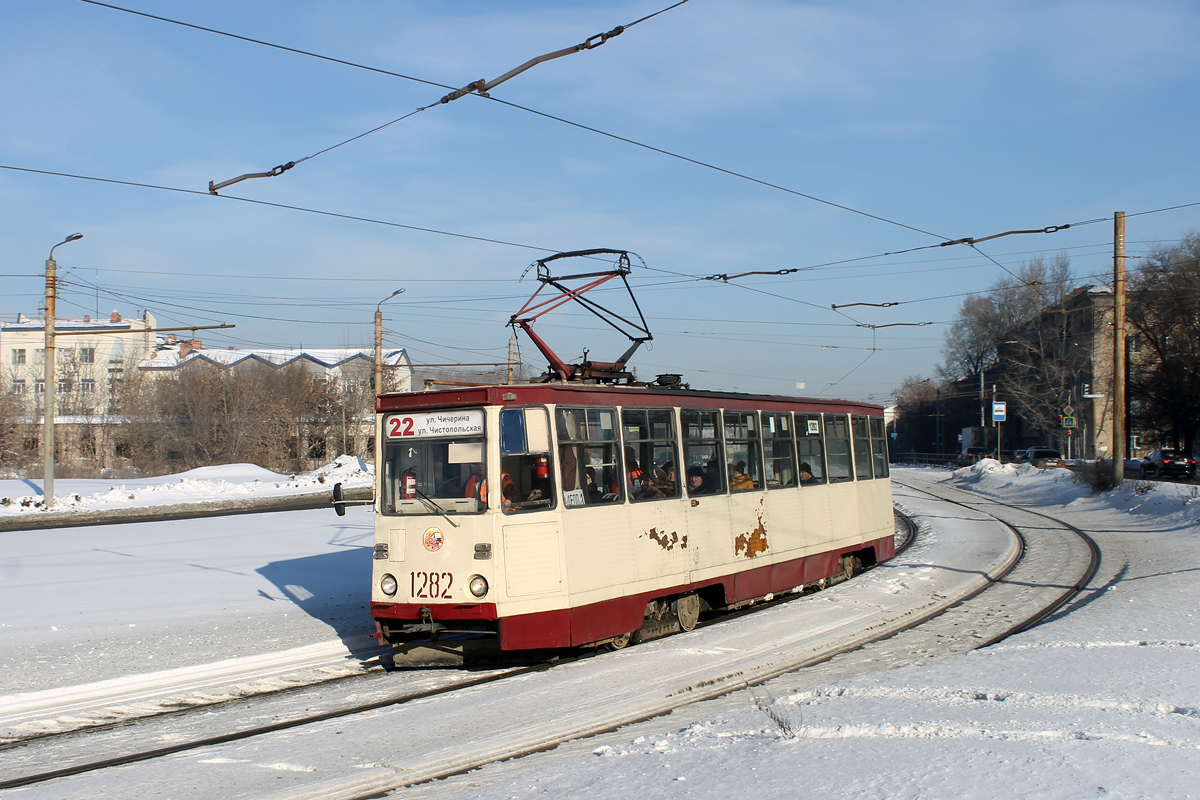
{"x": 477, "y": 485}
{"x": 637, "y": 480}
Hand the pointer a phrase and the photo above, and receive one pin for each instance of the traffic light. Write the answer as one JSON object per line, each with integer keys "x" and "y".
{"x": 1087, "y": 389}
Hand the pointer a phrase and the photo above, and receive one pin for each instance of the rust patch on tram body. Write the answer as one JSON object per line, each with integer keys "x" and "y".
{"x": 753, "y": 543}
{"x": 667, "y": 541}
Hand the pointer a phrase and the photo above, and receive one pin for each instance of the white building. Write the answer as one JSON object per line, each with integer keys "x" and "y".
{"x": 90, "y": 357}
{"x": 347, "y": 365}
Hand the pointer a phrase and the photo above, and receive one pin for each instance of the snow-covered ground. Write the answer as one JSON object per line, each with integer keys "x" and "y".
{"x": 1103, "y": 700}
{"x": 228, "y": 482}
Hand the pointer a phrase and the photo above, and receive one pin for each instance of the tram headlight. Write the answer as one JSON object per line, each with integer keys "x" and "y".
{"x": 388, "y": 584}
{"x": 478, "y": 585}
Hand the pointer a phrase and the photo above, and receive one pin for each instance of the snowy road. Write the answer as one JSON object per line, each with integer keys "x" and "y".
{"x": 595, "y": 694}
{"x": 1030, "y": 701}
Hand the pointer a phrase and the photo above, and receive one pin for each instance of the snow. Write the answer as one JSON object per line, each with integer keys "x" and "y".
{"x": 227, "y": 482}
{"x": 1102, "y": 700}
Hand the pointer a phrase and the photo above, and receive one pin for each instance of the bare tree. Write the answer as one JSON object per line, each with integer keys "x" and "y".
{"x": 16, "y": 426}
{"x": 1162, "y": 311}
{"x": 1016, "y": 334}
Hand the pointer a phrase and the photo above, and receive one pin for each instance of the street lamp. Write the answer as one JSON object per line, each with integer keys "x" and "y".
{"x": 379, "y": 341}
{"x": 49, "y": 383}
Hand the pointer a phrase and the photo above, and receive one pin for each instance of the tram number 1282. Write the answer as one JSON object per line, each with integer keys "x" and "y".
{"x": 431, "y": 584}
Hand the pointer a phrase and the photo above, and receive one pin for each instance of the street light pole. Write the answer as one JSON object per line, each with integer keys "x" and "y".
{"x": 49, "y": 382}
{"x": 379, "y": 341}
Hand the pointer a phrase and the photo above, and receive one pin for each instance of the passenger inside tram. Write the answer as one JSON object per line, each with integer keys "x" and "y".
{"x": 739, "y": 481}
{"x": 638, "y": 484}
{"x": 670, "y": 484}
{"x": 698, "y": 482}
{"x": 806, "y": 476}
{"x": 594, "y": 493}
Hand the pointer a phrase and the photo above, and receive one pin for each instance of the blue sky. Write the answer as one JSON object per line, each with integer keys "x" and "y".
{"x": 946, "y": 120}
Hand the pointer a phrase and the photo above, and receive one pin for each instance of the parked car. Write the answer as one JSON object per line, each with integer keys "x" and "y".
{"x": 972, "y": 455}
{"x": 1162, "y": 463}
{"x": 1019, "y": 456}
{"x": 1044, "y": 457}
{"x": 1006, "y": 456}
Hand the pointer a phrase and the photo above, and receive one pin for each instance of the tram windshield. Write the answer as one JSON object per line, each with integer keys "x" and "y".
{"x": 434, "y": 463}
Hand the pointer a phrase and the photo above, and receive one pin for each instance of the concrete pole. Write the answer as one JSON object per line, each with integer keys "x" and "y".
{"x": 50, "y": 380}
{"x": 49, "y": 386}
{"x": 1118, "y": 347}
{"x": 378, "y": 351}
{"x": 379, "y": 341}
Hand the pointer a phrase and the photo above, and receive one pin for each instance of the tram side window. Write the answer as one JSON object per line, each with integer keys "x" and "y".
{"x": 525, "y": 478}
{"x": 781, "y": 455}
{"x": 743, "y": 451}
{"x": 879, "y": 453}
{"x": 703, "y": 455}
{"x": 837, "y": 447}
{"x": 861, "y": 429}
{"x": 811, "y": 453}
{"x": 587, "y": 456}
{"x": 650, "y": 457}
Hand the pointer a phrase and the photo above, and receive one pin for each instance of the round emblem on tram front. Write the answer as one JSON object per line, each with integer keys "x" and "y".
{"x": 433, "y": 539}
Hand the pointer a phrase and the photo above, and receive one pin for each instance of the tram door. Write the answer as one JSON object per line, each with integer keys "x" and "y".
{"x": 751, "y": 531}
{"x": 702, "y": 475}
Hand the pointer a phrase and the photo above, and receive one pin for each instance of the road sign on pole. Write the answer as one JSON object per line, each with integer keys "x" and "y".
{"x": 1068, "y": 422}
{"x": 999, "y": 410}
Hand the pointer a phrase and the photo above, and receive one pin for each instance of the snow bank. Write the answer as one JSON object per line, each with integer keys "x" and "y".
{"x": 20, "y": 498}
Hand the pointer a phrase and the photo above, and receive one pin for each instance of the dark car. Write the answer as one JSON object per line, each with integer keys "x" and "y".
{"x": 1162, "y": 463}
{"x": 972, "y": 455}
{"x": 1044, "y": 457}
{"x": 1019, "y": 456}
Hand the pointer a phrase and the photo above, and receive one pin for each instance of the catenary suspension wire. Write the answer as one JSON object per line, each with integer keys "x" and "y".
{"x": 480, "y": 87}
{"x": 284, "y": 206}
{"x": 284, "y": 167}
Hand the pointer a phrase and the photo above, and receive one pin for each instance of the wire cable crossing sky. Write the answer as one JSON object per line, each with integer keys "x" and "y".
{"x": 969, "y": 119}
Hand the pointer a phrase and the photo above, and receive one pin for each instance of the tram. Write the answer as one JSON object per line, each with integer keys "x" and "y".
{"x": 535, "y": 516}
{"x": 590, "y": 510}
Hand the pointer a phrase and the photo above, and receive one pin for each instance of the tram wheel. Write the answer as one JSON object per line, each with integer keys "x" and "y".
{"x": 687, "y": 611}
{"x": 620, "y": 642}
{"x": 848, "y": 566}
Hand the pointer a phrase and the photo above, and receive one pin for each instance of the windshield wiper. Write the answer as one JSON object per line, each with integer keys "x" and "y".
{"x": 431, "y": 502}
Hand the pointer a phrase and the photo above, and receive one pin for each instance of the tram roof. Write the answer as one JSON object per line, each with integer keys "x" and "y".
{"x": 601, "y": 394}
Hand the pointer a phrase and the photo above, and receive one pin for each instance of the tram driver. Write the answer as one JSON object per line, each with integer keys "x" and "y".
{"x": 477, "y": 487}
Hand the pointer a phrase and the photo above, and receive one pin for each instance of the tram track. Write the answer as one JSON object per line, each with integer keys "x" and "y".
{"x": 880, "y": 639}
{"x": 1062, "y": 566}
{"x": 120, "y": 737}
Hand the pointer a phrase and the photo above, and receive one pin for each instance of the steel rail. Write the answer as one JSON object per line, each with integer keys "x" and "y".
{"x": 904, "y": 522}
{"x": 1094, "y": 558}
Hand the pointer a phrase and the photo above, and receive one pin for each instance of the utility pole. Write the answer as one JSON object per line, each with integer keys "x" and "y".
{"x": 50, "y": 381}
{"x": 941, "y": 446}
{"x": 378, "y": 351}
{"x": 999, "y": 431}
{"x": 379, "y": 341}
{"x": 982, "y": 420}
{"x": 512, "y": 341}
{"x": 1118, "y": 347}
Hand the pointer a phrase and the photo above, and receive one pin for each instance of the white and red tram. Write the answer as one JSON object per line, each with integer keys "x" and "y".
{"x": 558, "y": 515}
